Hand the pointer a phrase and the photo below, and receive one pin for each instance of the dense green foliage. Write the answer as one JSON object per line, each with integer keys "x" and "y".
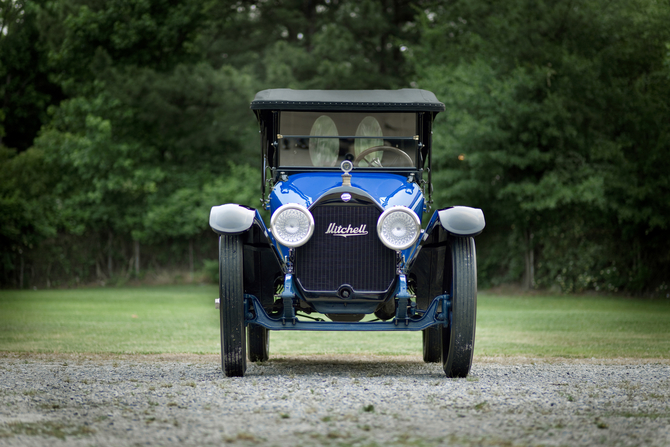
{"x": 183, "y": 319}
{"x": 558, "y": 126}
{"x": 123, "y": 121}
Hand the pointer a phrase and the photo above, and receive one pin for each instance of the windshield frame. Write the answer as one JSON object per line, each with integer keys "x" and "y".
{"x": 305, "y": 139}
{"x": 268, "y": 104}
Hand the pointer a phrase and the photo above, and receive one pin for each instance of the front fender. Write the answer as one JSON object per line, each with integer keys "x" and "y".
{"x": 262, "y": 262}
{"x": 231, "y": 218}
{"x": 462, "y": 220}
{"x": 427, "y": 263}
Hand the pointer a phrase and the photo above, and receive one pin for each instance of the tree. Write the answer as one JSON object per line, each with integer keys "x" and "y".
{"x": 317, "y": 44}
{"x": 28, "y": 212}
{"x": 146, "y": 125}
{"x": 554, "y": 126}
{"x": 25, "y": 90}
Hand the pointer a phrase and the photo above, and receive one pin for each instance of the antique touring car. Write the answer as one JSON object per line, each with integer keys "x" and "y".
{"x": 346, "y": 176}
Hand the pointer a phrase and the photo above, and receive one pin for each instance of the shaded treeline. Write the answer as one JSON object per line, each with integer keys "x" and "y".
{"x": 124, "y": 121}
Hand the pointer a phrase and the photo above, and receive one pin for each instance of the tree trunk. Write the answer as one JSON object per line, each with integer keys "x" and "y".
{"x": 137, "y": 258}
{"x": 110, "y": 266}
{"x": 21, "y": 271}
{"x": 190, "y": 257}
{"x": 6, "y": 98}
{"x": 529, "y": 255}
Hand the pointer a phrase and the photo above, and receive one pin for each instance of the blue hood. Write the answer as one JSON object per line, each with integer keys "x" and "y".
{"x": 386, "y": 189}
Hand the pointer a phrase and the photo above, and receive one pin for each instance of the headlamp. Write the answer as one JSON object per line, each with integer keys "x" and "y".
{"x": 292, "y": 225}
{"x": 398, "y": 227}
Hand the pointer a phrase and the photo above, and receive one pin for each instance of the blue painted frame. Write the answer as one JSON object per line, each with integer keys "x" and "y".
{"x": 431, "y": 317}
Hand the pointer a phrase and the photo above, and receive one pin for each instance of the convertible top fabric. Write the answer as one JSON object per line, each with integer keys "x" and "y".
{"x": 404, "y": 100}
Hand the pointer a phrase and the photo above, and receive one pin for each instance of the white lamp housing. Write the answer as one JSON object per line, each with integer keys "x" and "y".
{"x": 292, "y": 225}
{"x": 398, "y": 227}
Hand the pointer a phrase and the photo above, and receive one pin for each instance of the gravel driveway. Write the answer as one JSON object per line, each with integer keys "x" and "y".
{"x": 333, "y": 401}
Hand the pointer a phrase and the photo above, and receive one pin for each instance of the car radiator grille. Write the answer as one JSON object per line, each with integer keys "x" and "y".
{"x": 355, "y": 256}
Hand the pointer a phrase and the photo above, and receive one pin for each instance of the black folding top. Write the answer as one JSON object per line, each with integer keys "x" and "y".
{"x": 404, "y": 100}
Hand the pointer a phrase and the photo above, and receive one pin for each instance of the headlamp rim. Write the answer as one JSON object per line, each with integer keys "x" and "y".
{"x": 294, "y": 206}
{"x": 396, "y": 209}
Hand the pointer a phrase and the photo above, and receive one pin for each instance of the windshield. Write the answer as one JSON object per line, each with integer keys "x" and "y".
{"x": 373, "y": 140}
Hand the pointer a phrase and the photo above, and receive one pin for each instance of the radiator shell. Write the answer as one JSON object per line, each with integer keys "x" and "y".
{"x": 352, "y": 258}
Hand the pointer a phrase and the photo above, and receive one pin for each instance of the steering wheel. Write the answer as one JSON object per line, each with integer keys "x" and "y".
{"x": 370, "y": 150}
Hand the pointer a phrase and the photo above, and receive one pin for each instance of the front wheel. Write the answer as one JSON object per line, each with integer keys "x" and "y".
{"x": 458, "y": 339}
{"x": 231, "y": 306}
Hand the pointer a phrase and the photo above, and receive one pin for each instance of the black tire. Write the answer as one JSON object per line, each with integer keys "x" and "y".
{"x": 258, "y": 343}
{"x": 458, "y": 340}
{"x": 231, "y": 306}
{"x": 432, "y": 344}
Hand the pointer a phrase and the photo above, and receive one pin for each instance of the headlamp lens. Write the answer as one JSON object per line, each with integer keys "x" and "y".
{"x": 398, "y": 227}
{"x": 292, "y": 225}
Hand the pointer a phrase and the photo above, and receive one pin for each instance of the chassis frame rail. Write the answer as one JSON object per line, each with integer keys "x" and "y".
{"x": 255, "y": 314}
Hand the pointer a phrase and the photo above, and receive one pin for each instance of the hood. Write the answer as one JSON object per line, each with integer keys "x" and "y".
{"x": 385, "y": 189}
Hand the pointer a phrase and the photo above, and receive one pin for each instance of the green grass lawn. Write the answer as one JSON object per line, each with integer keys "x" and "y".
{"x": 182, "y": 319}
